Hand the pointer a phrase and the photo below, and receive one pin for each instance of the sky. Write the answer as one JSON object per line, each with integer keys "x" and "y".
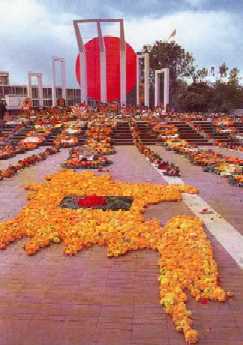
{"x": 32, "y": 31}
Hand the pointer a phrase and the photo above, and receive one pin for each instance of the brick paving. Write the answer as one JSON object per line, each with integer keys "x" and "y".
{"x": 89, "y": 299}
{"x": 224, "y": 198}
{"x": 224, "y": 151}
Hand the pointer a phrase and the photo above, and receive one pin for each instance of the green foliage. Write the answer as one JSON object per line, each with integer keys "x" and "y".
{"x": 234, "y": 76}
{"x": 199, "y": 75}
{"x": 203, "y": 97}
{"x": 223, "y": 95}
{"x": 223, "y": 70}
{"x": 173, "y": 56}
{"x": 195, "y": 97}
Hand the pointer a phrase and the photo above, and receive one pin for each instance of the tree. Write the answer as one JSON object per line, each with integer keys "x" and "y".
{"x": 200, "y": 75}
{"x": 223, "y": 70}
{"x": 226, "y": 96}
{"x": 171, "y": 55}
{"x": 234, "y": 76}
{"x": 196, "y": 97}
{"x": 200, "y": 95}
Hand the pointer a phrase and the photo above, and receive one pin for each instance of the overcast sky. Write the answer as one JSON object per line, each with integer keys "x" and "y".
{"x": 32, "y": 31}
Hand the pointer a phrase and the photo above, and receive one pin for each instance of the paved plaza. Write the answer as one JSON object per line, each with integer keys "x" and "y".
{"x": 89, "y": 299}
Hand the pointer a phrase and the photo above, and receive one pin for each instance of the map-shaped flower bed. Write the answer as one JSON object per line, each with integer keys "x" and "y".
{"x": 187, "y": 265}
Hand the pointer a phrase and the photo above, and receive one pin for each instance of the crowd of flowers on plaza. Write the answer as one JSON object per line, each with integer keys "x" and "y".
{"x": 33, "y": 138}
{"x": 85, "y": 209}
{"x": 85, "y": 158}
{"x": 26, "y": 162}
{"x": 167, "y": 168}
{"x": 95, "y": 129}
{"x": 99, "y": 135}
{"x": 211, "y": 161}
{"x": 186, "y": 257}
{"x": 230, "y": 167}
{"x": 98, "y": 144}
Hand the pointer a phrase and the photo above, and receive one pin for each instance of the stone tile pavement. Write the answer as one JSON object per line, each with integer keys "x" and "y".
{"x": 90, "y": 299}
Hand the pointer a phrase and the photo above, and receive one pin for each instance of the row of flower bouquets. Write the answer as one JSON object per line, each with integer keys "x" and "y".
{"x": 98, "y": 145}
{"x": 211, "y": 161}
{"x": 170, "y": 131}
{"x": 33, "y": 139}
{"x": 79, "y": 160}
{"x": 165, "y": 167}
{"x": 97, "y": 161}
{"x": 26, "y": 162}
{"x": 8, "y": 131}
{"x": 99, "y": 139}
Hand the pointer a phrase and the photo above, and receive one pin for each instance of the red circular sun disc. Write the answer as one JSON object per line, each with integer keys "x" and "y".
{"x": 112, "y": 45}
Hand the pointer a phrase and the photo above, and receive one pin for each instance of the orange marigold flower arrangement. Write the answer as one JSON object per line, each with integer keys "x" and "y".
{"x": 186, "y": 257}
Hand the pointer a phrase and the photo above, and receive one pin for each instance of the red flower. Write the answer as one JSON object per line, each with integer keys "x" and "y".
{"x": 92, "y": 201}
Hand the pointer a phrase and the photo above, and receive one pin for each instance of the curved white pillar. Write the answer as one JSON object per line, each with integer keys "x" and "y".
{"x": 56, "y": 60}
{"x": 103, "y": 81}
{"x": 83, "y": 62}
{"x": 139, "y": 56}
{"x": 146, "y": 79}
{"x": 166, "y": 73}
{"x": 123, "y": 77}
{"x": 38, "y": 77}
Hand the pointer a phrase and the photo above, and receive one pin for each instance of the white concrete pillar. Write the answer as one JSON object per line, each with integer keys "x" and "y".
{"x": 56, "y": 60}
{"x": 123, "y": 79}
{"x": 83, "y": 80}
{"x": 64, "y": 80}
{"x": 38, "y": 76}
{"x": 138, "y": 81}
{"x": 54, "y": 97}
{"x": 166, "y": 73}
{"x": 83, "y": 62}
{"x": 166, "y": 87}
{"x": 40, "y": 90}
{"x": 157, "y": 89}
{"x": 146, "y": 79}
{"x": 103, "y": 81}
{"x": 29, "y": 88}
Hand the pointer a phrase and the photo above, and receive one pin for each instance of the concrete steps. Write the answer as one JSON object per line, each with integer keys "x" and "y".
{"x": 121, "y": 135}
{"x": 51, "y": 137}
{"x": 20, "y": 135}
{"x": 189, "y": 134}
{"x": 147, "y": 136}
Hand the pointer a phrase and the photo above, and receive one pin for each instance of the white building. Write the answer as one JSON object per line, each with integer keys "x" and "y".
{"x": 72, "y": 94}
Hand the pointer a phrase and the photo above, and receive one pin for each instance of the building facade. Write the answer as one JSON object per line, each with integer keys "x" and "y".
{"x": 73, "y": 96}
{"x": 4, "y": 78}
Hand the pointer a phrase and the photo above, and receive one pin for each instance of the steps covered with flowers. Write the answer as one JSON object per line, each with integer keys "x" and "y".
{"x": 70, "y": 135}
{"x": 28, "y": 139}
{"x": 223, "y": 132}
{"x": 146, "y": 133}
{"x": 99, "y": 136}
{"x": 27, "y": 162}
{"x": 211, "y": 161}
{"x": 188, "y": 133}
{"x": 167, "y": 168}
{"x": 121, "y": 134}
